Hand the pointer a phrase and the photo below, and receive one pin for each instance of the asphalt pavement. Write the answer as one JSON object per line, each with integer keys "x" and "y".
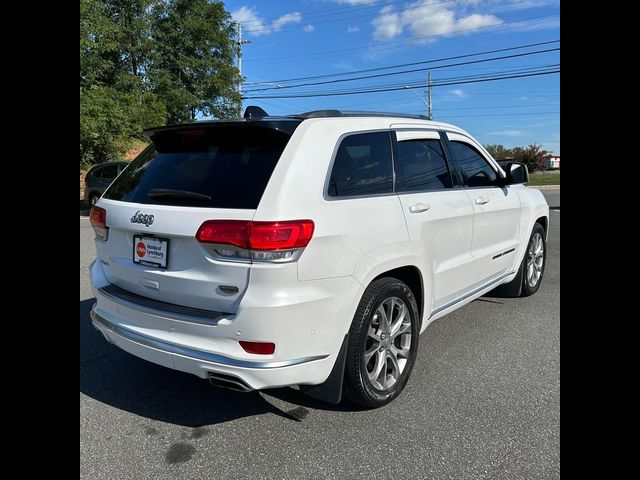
{"x": 483, "y": 402}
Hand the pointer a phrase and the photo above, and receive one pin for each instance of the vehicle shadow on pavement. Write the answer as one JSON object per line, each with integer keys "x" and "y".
{"x": 114, "y": 377}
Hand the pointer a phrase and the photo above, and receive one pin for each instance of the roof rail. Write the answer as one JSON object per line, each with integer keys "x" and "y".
{"x": 339, "y": 113}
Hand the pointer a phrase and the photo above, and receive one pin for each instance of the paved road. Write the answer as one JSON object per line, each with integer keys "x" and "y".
{"x": 482, "y": 402}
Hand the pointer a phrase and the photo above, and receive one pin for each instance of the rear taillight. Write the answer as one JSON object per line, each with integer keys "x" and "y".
{"x": 98, "y": 219}
{"x": 267, "y": 241}
{"x": 227, "y": 232}
{"x": 259, "y": 348}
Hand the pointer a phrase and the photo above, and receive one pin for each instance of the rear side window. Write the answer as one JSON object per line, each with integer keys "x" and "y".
{"x": 474, "y": 169}
{"x": 421, "y": 166}
{"x": 362, "y": 166}
{"x": 216, "y": 167}
{"x": 108, "y": 172}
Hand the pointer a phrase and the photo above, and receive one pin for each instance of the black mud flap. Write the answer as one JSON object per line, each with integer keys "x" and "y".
{"x": 330, "y": 390}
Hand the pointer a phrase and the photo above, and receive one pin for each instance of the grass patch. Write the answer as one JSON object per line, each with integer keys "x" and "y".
{"x": 536, "y": 180}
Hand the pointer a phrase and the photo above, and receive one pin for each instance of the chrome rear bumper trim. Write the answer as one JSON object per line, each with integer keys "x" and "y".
{"x": 191, "y": 352}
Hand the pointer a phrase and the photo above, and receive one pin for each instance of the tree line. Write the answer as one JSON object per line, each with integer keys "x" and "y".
{"x": 533, "y": 156}
{"x": 151, "y": 62}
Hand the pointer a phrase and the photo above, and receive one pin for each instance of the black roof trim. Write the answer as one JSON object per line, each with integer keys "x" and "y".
{"x": 284, "y": 124}
{"x": 353, "y": 113}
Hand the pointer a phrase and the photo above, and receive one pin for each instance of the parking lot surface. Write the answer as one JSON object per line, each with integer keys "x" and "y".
{"x": 483, "y": 401}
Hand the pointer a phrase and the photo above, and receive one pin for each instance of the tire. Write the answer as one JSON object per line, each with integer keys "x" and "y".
{"x": 519, "y": 286}
{"x": 534, "y": 261}
{"x": 381, "y": 350}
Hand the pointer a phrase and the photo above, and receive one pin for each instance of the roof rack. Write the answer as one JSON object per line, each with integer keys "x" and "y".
{"x": 256, "y": 113}
{"x": 352, "y": 113}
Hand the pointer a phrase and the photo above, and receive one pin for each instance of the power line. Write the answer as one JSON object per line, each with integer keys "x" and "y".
{"x": 499, "y": 115}
{"x": 437, "y": 67}
{"x": 397, "y": 43}
{"x": 336, "y": 93}
{"x": 500, "y": 106}
{"x": 420, "y": 83}
{"x": 441, "y": 59}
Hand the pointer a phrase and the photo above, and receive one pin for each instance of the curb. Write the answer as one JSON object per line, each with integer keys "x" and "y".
{"x": 546, "y": 187}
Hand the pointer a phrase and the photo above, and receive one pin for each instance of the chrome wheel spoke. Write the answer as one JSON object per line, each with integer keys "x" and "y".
{"x": 392, "y": 377}
{"x": 373, "y": 334}
{"x": 398, "y": 323}
{"x": 382, "y": 317}
{"x": 380, "y": 367}
{"x": 402, "y": 329}
{"x": 369, "y": 353}
{"x": 399, "y": 352}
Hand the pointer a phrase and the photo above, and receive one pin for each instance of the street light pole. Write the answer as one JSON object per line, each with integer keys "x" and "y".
{"x": 239, "y": 43}
{"x": 406, "y": 87}
{"x": 429, "y": 109}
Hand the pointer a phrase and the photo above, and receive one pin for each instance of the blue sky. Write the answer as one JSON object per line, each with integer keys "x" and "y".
{"x": 293, "y": 39}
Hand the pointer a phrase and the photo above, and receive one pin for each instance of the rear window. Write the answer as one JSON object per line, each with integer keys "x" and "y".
{"x": 219, "y": 167}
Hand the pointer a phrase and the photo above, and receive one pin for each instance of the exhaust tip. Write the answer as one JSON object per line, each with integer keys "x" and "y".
{"x": 229, "y": 382}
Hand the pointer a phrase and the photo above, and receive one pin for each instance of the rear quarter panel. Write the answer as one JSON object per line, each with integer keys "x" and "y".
{"x": 346, "y": 230}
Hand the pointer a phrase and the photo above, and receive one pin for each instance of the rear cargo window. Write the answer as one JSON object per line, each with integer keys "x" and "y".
{"x": 219, "y": 167}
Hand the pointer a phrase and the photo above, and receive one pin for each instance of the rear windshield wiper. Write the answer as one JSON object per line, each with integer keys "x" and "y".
{"x": 171, "y": 193}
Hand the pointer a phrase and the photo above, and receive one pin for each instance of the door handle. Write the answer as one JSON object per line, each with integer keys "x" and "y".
{"x": 481, "y": 200}
{"x": 419, "y": 208}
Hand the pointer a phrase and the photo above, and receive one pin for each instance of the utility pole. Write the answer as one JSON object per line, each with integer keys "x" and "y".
{"x": 239, "y": 43}
{"x": 429, "y": 109}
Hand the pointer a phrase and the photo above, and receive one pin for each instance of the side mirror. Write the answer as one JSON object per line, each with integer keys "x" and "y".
{"x": 516, "y": 173}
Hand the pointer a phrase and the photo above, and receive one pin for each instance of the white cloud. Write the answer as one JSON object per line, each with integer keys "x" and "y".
{"x": 280, "y": 22}
{"x": 255, "y": 25}
{"x": 458, "y": 92}
{"x": 427, "y": 20}
{"x": 510, "y": 133}
{"x": 388, "y": 24}
{"x": 353, "y": 29}
{"x": 308, "y": 28}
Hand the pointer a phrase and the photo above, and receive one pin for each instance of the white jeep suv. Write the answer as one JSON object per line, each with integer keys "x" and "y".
{"x": 309, "y": 250}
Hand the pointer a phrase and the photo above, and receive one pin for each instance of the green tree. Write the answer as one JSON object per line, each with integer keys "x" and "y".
{"x": 192, "y": 69}
{"x": 146, "y": 62}
{"x": 533, "y": 156}
{"x": 499, "y": 152}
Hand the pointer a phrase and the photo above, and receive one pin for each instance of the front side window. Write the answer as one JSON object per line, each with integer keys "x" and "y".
{"x": 362, "y": 166}
{"x": 421, "y": 166}
{"x": 472, "y": 167}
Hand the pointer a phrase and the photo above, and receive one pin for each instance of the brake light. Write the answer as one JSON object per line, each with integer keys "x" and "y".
{"x": 257, "y": 235}
{"x": 228, "y": 232}
{"x": 280, "y": 235}
{"x": 98, "y": 219}
{"x": 259, "y": 348}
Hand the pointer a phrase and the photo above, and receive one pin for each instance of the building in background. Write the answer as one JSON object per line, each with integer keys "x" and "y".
{"x": 553, "y": 162}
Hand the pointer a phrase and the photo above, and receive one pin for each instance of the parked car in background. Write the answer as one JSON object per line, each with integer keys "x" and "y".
{"x": 99, "y": 178}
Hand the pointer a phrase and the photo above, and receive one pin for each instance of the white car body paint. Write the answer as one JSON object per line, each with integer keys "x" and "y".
{"x": 306, "y": 306}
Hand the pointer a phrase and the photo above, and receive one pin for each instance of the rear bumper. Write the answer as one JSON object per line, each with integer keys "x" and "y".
{"x": 307, "y": 331}
{"x": 256, "y": 374}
